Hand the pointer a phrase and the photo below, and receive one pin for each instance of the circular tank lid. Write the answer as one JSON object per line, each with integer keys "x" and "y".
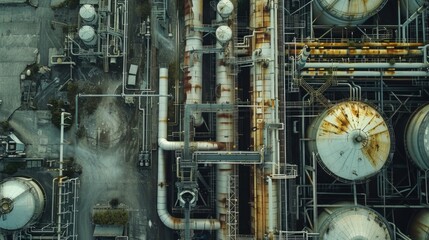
{"x": 419, "y": 225}
{"x": 351, "y": 10}
{"x": 225, "y": 8}
{"x": 87, "y": 12}
{"x": 352, "y": 140}
{"x": 223, "y": 34}
{"x": 17, "y": 204}
{"x": 357, "y": 223}
{"x": 417, "y": 137}
{"x": 86, "y": 33}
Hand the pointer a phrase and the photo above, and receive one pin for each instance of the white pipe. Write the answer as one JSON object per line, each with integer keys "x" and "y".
{"x": 162, "y": 126}
{"x": 270, "y": 206}
{"x": 365, "y": 65}
{"x": 60, "y": 174}
{"x": 224, "y": 134}
{"x": 366, "y": 73}
{"x": 194, "y": 41}
{"x": 164, "y": 215}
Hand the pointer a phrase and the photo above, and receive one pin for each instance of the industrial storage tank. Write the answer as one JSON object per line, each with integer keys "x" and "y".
{"x": 87, "y": 35}
{"x": 88, "y": 14}
{"x": 223, "y": 34}
{"x": 351, "y": 140}
{"x": 225, "y": 8}
{"x": 353, "y": 222}
{"x": 419, "y": 225}
{"x": 345, "y": 12}
{"x": 417, "y": 137}
{"x": 21, "y": 203}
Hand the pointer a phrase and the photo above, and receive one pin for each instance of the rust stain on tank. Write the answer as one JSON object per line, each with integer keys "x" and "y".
{"x": 225, "y": 115}
{"x": 226, "y": 89}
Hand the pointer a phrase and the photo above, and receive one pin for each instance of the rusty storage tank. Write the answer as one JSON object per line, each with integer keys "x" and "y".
{"x": 345, "y": 12}
{"x": 417, "y": 137}
{"x": 419, "y": 225}
{"x": 21, "y": 203}
{"x": 352, "y": 140}
{"x": 353, "y": 222}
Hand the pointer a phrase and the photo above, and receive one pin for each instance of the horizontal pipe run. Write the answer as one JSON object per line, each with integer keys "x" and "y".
{"x": 365, "y": 73}
{"x": 365, "y": 65}
{"x": 359, "y": 52}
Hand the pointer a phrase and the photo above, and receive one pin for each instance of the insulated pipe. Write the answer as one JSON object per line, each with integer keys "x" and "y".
{"x": 194, "y": 42}
{"x": 224, "y": 134}
{"x": 353, "y": 73}
{"x": 302, "y": 57}
{"x": 164, "y": 215}
{"x": 162, "y": 126}
{"x": 368, "y": 65}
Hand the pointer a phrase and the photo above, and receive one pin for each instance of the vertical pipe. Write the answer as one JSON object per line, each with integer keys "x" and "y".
{"x": 224, "y": 134}
{"x": 315, "y": 213}
{"x": 193, "y": 58}
{"x": 60, "y": 174}
{"x": 164, "y": 215}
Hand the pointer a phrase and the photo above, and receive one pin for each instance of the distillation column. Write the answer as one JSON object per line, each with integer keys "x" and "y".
{"x": 224, "y": 133}
{"x": 264, "y": 113}
{"x": 193, "y": 57}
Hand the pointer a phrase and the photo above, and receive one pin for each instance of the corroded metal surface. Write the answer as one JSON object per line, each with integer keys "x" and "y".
{"x": 358, "y": 52}
{"x": 352, "y": 140}
{"x": 419, "y": 225}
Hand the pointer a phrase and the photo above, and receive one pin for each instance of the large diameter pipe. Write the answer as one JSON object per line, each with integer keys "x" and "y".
{"x": 352, "y": 73}
{"x": 194, "y": 42}
{"x": 224, "y": 134}
{"x": 163, "y": 115}
{"x": 368, "y": 65}
{"x": 302, "y": 57}
{"x": 164, "y": 215}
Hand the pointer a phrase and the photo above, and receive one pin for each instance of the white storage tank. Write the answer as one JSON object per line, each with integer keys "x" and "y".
{"x": 345, "y": 12}
{"x": 223, "y": 34}
{"x": 352, "y": 140}
{"x": 417, "y": 137}
{"x": 353, "y": 222}
{"x": 21, "y": 203}
{"x": 88, "y": 14}
{"x": 225, "y": 8}
{"x": 87, "y": 35}
{"x": 419, "y": 225}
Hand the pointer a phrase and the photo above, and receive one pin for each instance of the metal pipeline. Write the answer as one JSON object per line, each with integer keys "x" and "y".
{"x": 302, "y": 57}
{"x": 225, "y": 134}
{"x": 193, "y": 60}
{"x": 352, "y": 73}
{"x": 368, "y": 65}
{"x": 162, "y": 126}
{"x": 164, "y": 144}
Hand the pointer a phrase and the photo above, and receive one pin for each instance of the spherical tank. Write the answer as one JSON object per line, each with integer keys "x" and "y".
{"x": 87, "y": 13}
{"x": 353, "y": 222}
{"x": 21, "y": 203}
{"x": 419, "y": 225}
{"x": 408, "y": 7}
{"x": 352, "y": 141}
{"x": 345, "y": 12}
{"x": 88, "y": 36}
{"x": 225, "y": 8}
{"x": 417, "y": 137}
{"x": 223, "y": 34}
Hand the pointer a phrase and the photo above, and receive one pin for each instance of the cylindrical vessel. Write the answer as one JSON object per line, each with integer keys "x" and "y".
{"x": 419, "y": 225}
{"x": 353, "y": 222}
{"x": 87, "y": 35}
{"x": 352, "y": 141}
{"x": 21, "y": 203}
{"x": 345, "y": 12}
{"x": 193, "y": 75}
{"x": 223, "y": 34}
{"x": 88, "y": 14}
{"x": 225, "y": 8}
{"x": 417, "y": 137}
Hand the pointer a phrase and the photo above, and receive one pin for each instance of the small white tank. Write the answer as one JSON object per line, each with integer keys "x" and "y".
{"x": 88, "y": 14}
{"x": 223, "y": 34}
{"x": 21, "y": 203}
{"x": 225, "y": 8}
{"x": 87, "y": 35}
{"x": 417, "y": 137}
